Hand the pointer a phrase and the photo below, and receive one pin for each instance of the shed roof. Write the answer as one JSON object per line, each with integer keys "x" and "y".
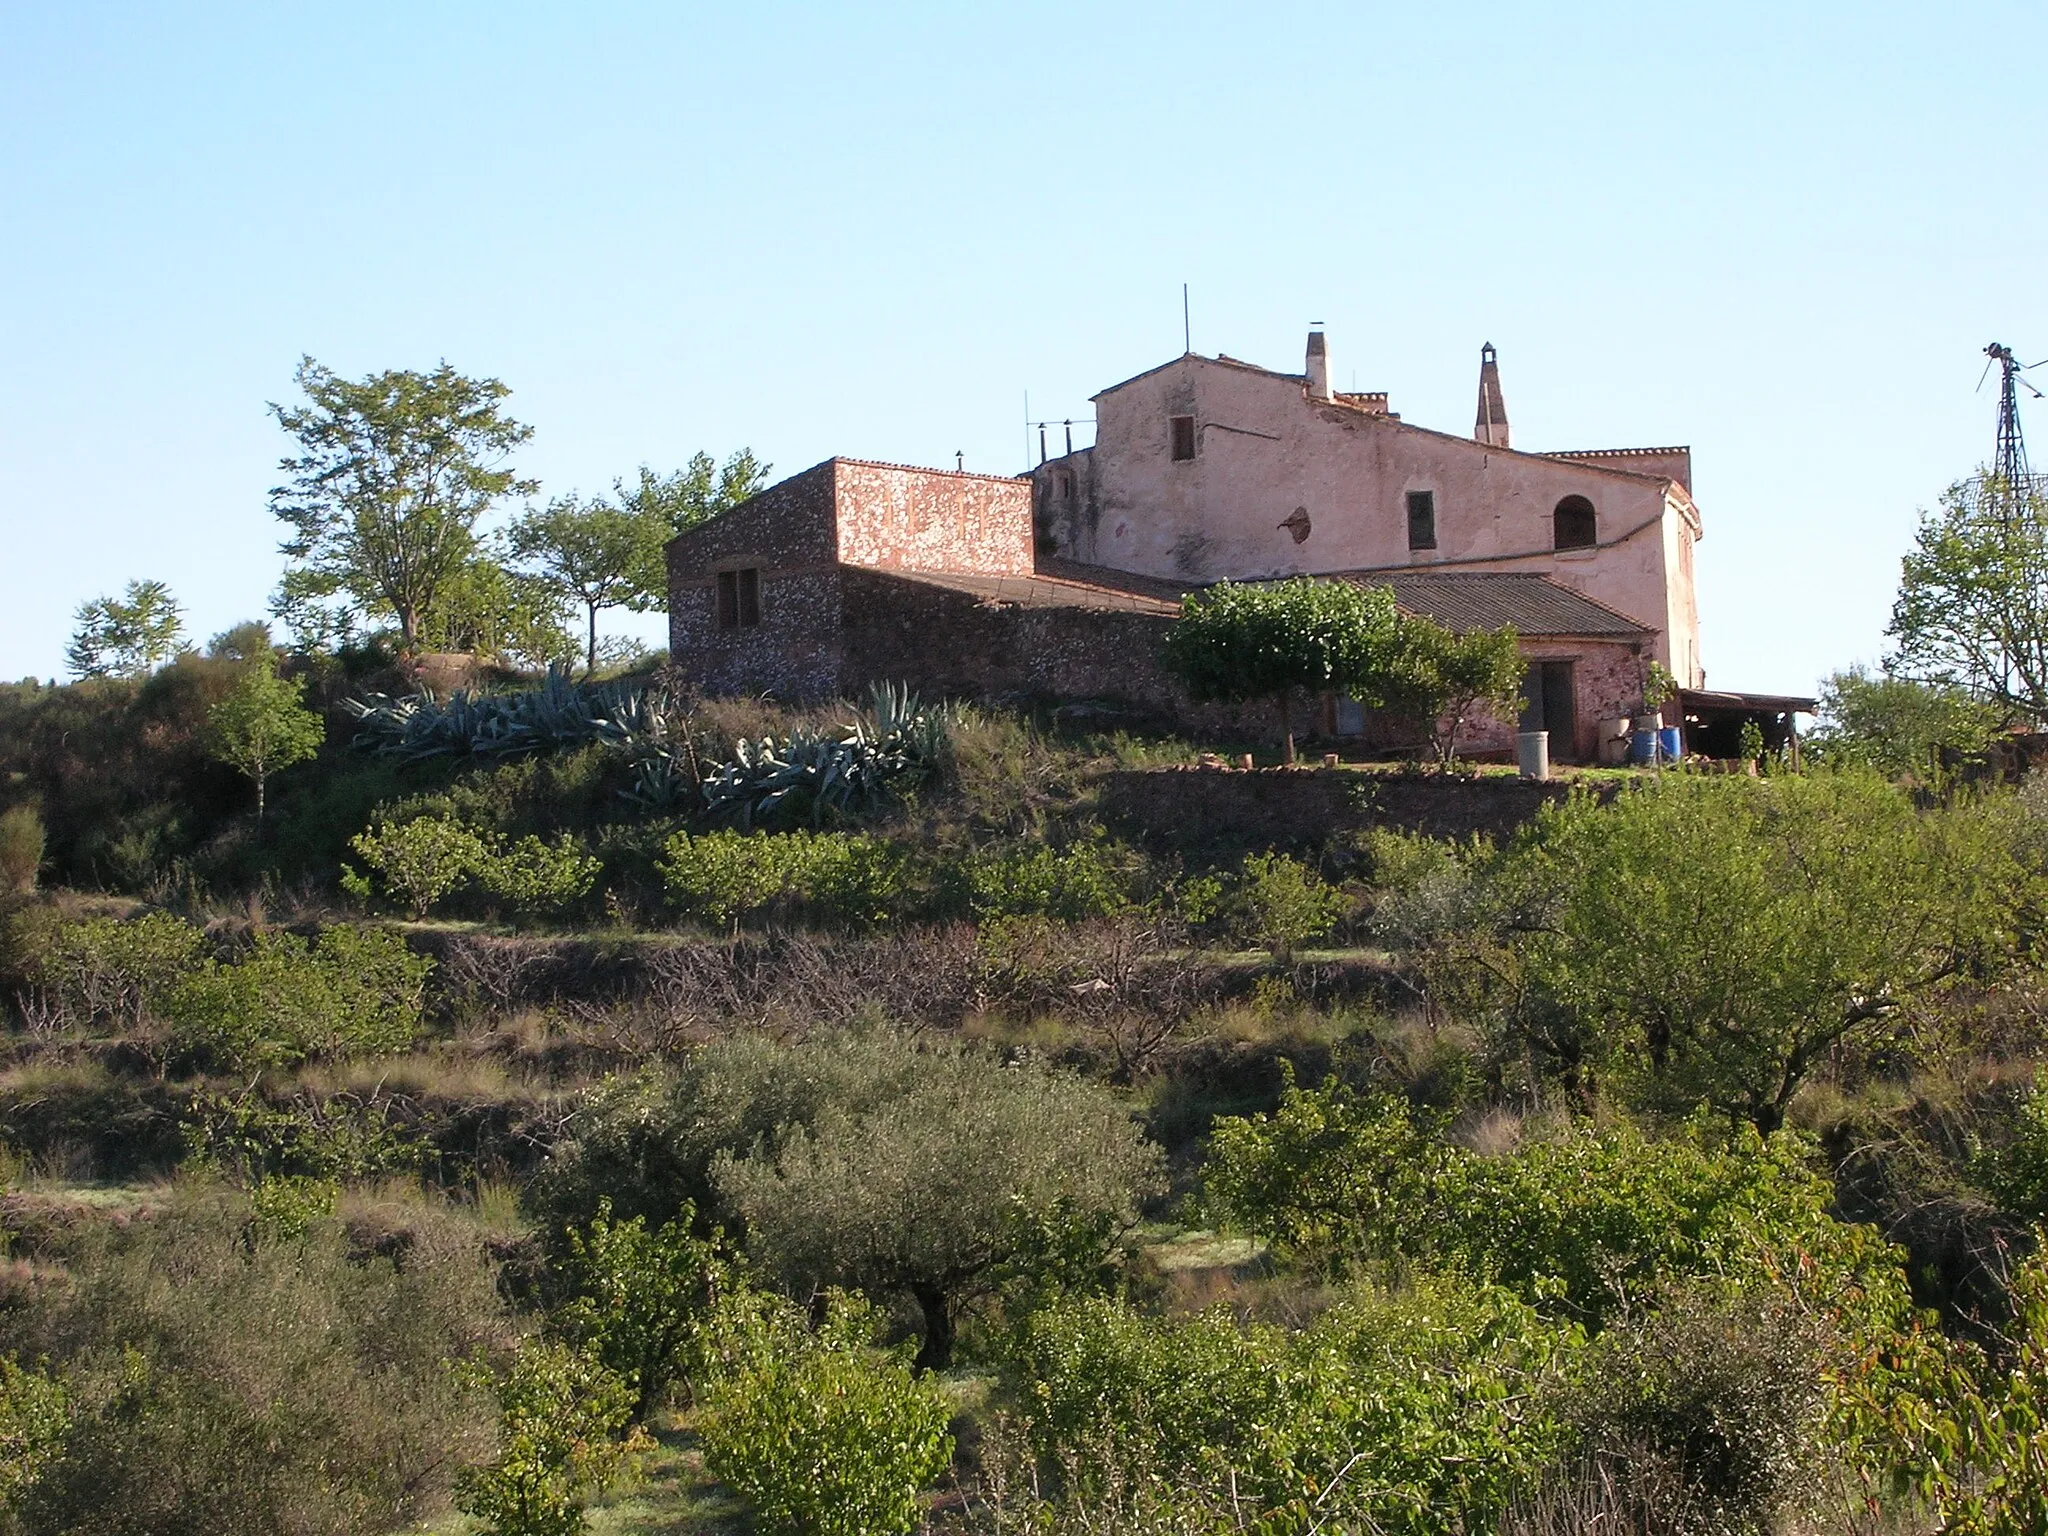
{"x": 1038, "y": 591}
{"x": 1535, "y": 605}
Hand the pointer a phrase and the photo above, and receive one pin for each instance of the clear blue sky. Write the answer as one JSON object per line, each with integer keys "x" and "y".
{"x": 1780, "y": 233}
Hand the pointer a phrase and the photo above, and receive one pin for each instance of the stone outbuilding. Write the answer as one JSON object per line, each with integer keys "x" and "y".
{"x": 1060, "y": 582}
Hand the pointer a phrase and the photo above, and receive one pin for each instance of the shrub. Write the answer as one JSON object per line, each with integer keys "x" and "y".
{"x": 640, "y": 1300}
{"x": 1577, "y": 1224}
{"x": 223, "y": 1384}
{"x": 2016, "y": 1174}
{"x": 1091, "y": 878}
{"x": 34, "y": 1419}
{"x": 1715, "y": 1403}
{"x": 21, "y": 850}
{"x": 419, "y": 861}
{"x": 251, "y": 1141}
{"x": 1385, "y": 1414}
{"x": 1280, "y": 903}
{"x": 823, "y": 1435}
{"x": 536, "y": 876}
{"x": 102, "y": 970}
{"x": 560, "y": 1416}
{"x": 352, "y": 991}
{"x": 722, "y": 876}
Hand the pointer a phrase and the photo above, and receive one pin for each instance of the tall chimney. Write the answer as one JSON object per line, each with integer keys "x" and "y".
{"x": 1318, "y": 364}
{"x": 1491, "y": 427}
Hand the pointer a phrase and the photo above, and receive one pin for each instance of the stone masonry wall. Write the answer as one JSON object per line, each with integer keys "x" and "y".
{"x": 1607, "y": 680}
{"x": 1300, "y": 807}
{"x": 786, "y": 533}
{"x": 961, "y": 645}
{"x": 894, "y": 518}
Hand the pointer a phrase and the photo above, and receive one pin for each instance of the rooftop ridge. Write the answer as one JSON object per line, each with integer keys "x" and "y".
{"x": 1610, "y": 453}
{"x": 926, "y": 469}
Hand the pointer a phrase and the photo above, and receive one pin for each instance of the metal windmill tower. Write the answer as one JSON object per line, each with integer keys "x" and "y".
{"x": 2009, "y": 464}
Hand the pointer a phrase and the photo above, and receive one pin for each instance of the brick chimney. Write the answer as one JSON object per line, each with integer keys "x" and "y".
{"x": 1491, "y": 427}
{"x": 1318, "y": 365}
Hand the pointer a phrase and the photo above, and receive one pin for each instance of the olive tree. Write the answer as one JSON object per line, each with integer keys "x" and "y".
{"x": 1240, "y": 642}
{"x": 940, "y": 1190}
{"x": 1720, "y": 936}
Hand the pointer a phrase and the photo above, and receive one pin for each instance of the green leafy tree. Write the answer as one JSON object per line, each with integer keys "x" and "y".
{"x": 642, "y": 1301}
{"x": 1972, "y": 606}
{"x": 125, "y": 636}
{"x": 942, "y": 1188}
{"x": 1280, "y": 903}
{"x": 263, "y": 725}
{"x": 1722, "y": 935}
{"x": 590, "y": 552}
{"x": 666, "y": 505}
{"x": 537, "y": 876}
{"x": 419, "y": 861}
{"x": 1896, "y": 725}
{"x": 823, "y": 1434}
{"x": 1243, "y": 641}
{"x": 382, "y": 499}
{"x": 562, "y": 1419}
{"x": 1439, "y": 676}
{"x": 491, "y": 610}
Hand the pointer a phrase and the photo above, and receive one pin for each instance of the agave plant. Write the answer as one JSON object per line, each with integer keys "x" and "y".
{"x": 559, "y": 713}
{"x": 891, "y": 746}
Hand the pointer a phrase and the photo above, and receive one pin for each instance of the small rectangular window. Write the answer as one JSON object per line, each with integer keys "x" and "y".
{"x": 1422, "y": 519}
{"x": 1183, "y": 437}
{"x": 739, "y": 599}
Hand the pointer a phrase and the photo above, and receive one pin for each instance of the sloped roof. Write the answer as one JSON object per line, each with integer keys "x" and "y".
{"x": 1535, "y": 605}
{"x": 1034, "y": 591}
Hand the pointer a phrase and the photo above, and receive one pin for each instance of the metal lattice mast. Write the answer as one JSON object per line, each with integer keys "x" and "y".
{"x": 2010, "y": 462}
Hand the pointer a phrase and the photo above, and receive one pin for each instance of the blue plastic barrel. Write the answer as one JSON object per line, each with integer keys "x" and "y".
{"x": 1642, "y": 748}
{"x": 1669, "y": 745}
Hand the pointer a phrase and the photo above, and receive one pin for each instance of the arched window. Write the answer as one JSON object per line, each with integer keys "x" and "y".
{"x": 1573, "y": 524}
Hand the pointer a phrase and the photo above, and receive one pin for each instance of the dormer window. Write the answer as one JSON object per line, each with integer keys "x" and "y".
{"x": 1183, "y": 437}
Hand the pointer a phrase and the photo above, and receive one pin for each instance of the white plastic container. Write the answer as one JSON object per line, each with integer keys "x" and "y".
{"x": 1532, "y": 753}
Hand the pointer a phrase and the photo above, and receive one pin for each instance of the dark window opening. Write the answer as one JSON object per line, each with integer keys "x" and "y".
{"x": 1063, "y": 484}
{"x": 1422, "y": 519}
{"x": 1573, "y": 524}
{"x": 1183, "y": 437}
{"x": 739, "y": 599}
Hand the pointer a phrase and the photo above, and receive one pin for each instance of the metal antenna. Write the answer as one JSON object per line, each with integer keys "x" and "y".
{"x": 1187, "y": 330}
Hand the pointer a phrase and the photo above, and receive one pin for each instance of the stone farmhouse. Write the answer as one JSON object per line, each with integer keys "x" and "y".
{"x": 1059, "y": 582}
